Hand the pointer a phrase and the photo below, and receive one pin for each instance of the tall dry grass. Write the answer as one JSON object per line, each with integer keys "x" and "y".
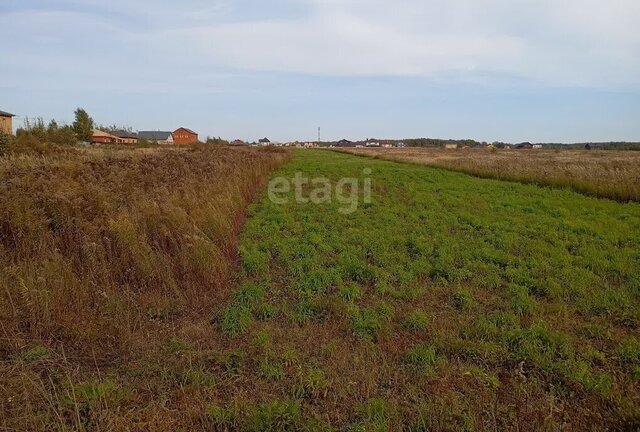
{"x": 104, "y": 254}
{"x": 606, "y": 174}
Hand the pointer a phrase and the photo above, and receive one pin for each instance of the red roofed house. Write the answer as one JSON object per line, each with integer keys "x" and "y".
{"x": 101, "y": 137}
{"x": 184, "y": 136}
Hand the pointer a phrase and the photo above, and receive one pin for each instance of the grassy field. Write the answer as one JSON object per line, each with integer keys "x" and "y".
{"x": 606, "y": 174}
{"x": 448, "y": 302}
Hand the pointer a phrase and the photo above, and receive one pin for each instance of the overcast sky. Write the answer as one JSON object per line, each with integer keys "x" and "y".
{"x": 509, "y": 70}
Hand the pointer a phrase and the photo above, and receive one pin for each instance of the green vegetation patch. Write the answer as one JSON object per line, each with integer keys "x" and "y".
{"x": 442, "y": 285}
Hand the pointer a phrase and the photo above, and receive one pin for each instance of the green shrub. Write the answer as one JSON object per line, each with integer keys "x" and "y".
{"x": 5, "y": 143}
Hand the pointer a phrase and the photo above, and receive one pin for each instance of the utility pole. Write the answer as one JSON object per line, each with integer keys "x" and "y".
{"x": 318, "y": 135}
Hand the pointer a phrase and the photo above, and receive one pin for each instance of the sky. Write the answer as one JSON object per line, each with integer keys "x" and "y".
{"x": 491, "y": 70}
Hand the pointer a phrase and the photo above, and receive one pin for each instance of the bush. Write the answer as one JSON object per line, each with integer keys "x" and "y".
{"x": 5, "y": 143}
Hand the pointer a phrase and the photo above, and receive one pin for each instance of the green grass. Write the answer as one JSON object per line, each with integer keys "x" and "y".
{"x": 446, "y": 284}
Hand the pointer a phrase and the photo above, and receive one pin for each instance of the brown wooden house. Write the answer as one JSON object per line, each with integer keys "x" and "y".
{"x": 184, "y": 136}
{"x": 6, "y": 123}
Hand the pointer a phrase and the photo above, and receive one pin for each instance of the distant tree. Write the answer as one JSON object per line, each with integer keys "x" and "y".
{"x": 52, "y": 129}
{"x": 83, "y": 125}
{"x": 216, "y": 141}
{"x": 5, "y": 141}
{"x": 36, "y": 128}
{"x": 115, "y": 128}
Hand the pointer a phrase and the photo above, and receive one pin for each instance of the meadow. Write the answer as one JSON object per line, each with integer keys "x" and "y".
{"x": 612, "y": 174}
{"x": 139, "y": 292}
{"x": 448, "y": 303}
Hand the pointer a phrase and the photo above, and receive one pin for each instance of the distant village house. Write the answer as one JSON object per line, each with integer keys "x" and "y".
{"x": 6, "y": 122}
{"x": 125, "y": 137}
{"x": 264, "y": 141}
{"x": 160, "y": 137}
{"x": 184, "y": 136}
{"x": 102, "y": 137}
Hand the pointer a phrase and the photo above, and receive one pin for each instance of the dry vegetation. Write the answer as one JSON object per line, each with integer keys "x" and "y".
{"x": 106, "y": 257}
{"x": 606, "y": 174}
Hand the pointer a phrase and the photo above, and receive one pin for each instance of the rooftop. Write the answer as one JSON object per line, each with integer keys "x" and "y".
{"x": 154, "y": 135}
{"x": 186, "y": 130}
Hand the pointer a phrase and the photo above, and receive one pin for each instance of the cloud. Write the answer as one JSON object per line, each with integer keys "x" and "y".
{"x": 568, "y": 42}
{"x": 554, "y": 42}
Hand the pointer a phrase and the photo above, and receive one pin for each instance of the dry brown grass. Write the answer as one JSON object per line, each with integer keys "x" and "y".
{"x": 606, "y": 174}
{"x": 110, "y": 263}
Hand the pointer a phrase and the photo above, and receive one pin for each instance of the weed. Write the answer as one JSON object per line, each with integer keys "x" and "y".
{"x": 350, "y": 292}
{"x": 198, "y": 377}
{"x": 307, "y": 309}
{"x": 421, "y": 359}
{"x": 266, "y": 311}
{"x": 462, "y": 298}
{"x": 629, "y": 352}
{"x": 249, "y": 295}
{"x": 416, "y": 320}
{"x": 521, "y": 303}
{"x": 231, "y": 362}
{"x": 34, "y": 354}
{"x": 275, "y": 417}
{"x": 235, "y": 320}
{"x": 270, "y": 369}
{"x": 366, "y": 323}
{"x": 312, "y": 383}
{"x": 223, "y": 419}
{"x": 262, "y": 340}
{"x": 374, "y": 415}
